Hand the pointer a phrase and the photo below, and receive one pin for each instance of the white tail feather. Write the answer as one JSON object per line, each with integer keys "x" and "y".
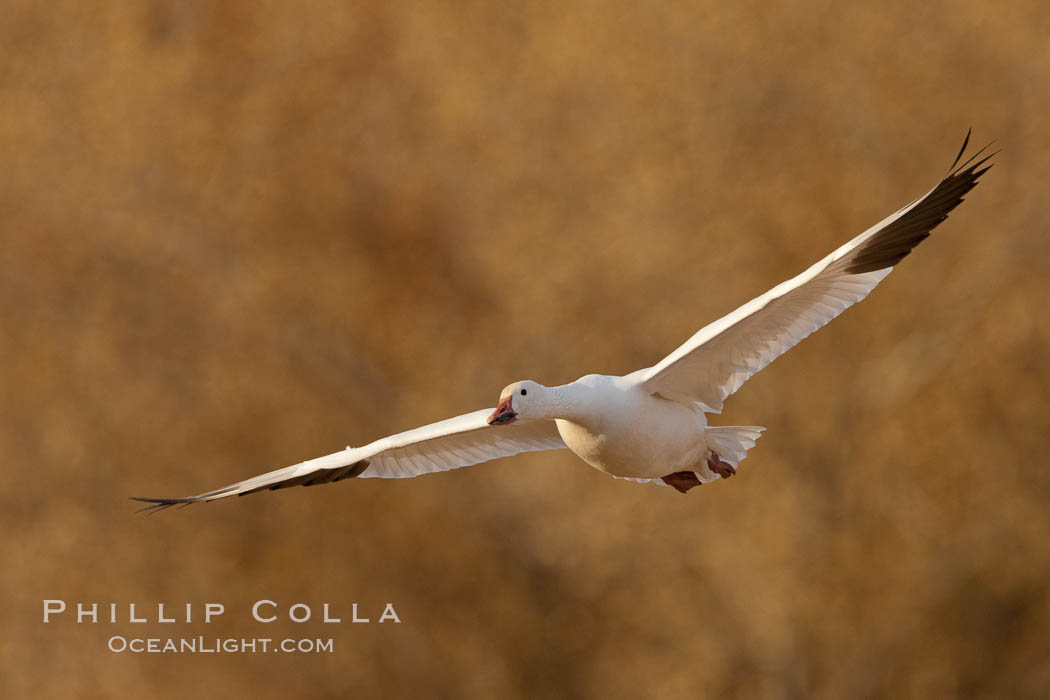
{"x": 731, "y": 442}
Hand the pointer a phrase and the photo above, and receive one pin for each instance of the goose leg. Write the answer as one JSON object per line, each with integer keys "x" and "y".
{"x": 681, "y": 481}
{"x": 723, "y": 469}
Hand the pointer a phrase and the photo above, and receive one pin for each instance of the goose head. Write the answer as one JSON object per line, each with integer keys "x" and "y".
{"x": 524, "y": 400}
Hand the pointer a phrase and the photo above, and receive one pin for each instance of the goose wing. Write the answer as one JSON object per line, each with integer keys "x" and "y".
{"x": 448, "y": 444}
{"x": 720, "y": 357}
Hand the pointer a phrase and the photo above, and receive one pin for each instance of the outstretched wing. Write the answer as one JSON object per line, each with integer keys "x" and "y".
{"x": 720, "y": 357}
{"x": 448, "y": 444}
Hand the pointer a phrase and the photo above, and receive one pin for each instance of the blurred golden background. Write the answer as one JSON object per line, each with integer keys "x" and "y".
{"x": 238, "y": 235}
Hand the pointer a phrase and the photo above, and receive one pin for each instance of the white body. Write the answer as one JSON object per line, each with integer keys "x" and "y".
{"x": 619, "y": 428}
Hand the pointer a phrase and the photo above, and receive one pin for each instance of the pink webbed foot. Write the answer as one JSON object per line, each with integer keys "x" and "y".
{"x": 723, "y": 469}
{"x": 681, "y": 481}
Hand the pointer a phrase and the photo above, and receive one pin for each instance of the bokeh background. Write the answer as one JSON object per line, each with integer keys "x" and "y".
{"x": 237, "y": 235}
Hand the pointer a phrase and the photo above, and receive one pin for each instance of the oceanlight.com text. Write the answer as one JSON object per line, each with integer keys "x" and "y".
{"x": 218, "y": 645}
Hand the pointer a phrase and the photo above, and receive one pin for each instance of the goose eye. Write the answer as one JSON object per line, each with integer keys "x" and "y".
{"x": 524, "y": 392}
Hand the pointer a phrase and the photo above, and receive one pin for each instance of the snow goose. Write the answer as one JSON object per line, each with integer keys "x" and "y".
{"x": 650, "y": 425}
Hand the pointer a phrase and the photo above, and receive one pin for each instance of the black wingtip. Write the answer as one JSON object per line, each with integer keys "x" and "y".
{"x": 896, "y": 240}
{"x": 158, "y": 504}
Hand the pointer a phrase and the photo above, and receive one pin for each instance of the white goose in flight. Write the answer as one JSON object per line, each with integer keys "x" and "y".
{"x": 649, "y": 425}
